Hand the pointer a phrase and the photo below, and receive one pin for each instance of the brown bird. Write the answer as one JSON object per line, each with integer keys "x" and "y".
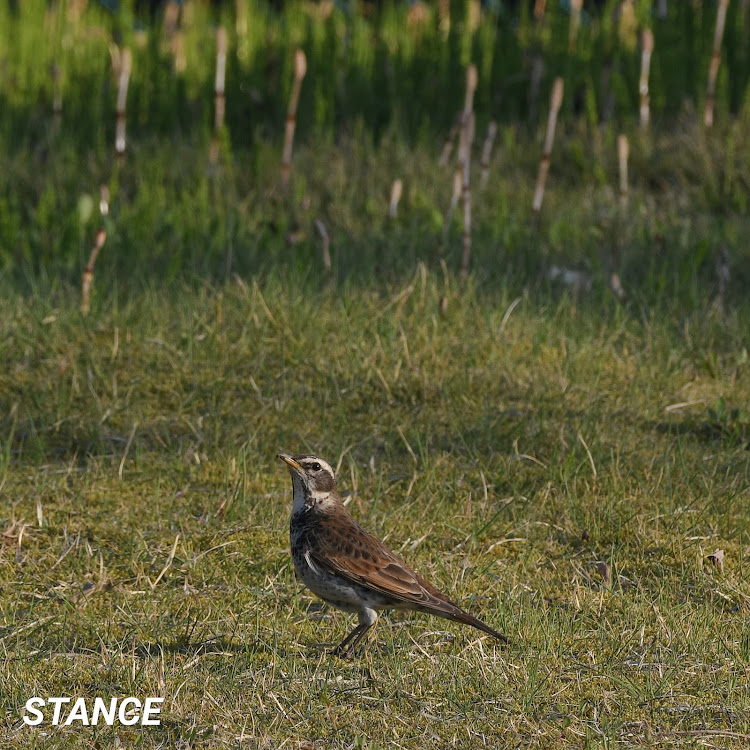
{"x": 349, "y": 568}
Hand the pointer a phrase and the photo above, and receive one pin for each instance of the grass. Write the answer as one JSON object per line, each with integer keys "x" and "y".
{"x": 561, "y": 463}
{"x": 563, "y": 471}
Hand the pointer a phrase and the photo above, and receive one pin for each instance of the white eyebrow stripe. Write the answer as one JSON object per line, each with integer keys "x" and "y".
{"x": 308, "y": 462}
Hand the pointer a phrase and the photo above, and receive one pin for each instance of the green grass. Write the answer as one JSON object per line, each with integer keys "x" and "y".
{"x": 559, "y": 462}
{"x": 508, "y": 456}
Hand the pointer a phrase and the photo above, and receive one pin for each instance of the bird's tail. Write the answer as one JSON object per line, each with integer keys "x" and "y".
{"x": 460, "y": 616}
{"x": 451, "y": 611}
{"x": 438, "y": 604}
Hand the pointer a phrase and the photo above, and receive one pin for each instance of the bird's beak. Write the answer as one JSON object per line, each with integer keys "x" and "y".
{"x": 290, "y": 461}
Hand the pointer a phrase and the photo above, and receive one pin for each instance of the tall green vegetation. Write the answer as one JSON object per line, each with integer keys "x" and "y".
{"x": 394, "y": 63}
{"x": 383, "y": 86}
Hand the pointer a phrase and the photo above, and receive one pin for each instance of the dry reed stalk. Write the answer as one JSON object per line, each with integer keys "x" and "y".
{"x": 647, "y": 42}
{"x": 326, "y": 241}
{"x": 300, "y": 68}
{"x": 88, "y": 273}
{"x": 622, "y": 158}
{"x": 555, "y": 102}
{"x": 101, "y": 238}
{"x": 466, "y": 193}
{"x": 575, "y": 22}
{"x": 449, "y": 140}
{"x": 459, "y": 124}
{"x": 396, "y": 191}
{"x": 713, "y": 70}
{"x": 126, "y": 64}
{"x": 219, "y": 96}
{"x": 464, "y": 161}
{"x": 487, "y": 153}
{"x": 103, "y": 200}
{"x": 461, "y": 175}
{"x": 221, "y": 70}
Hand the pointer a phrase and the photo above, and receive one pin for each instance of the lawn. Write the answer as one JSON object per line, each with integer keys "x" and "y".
{"x": 568, "y": 463}
{"x": 562, "y": 469}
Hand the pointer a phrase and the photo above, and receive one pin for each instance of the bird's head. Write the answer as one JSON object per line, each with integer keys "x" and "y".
{"x": 313, "y": 479}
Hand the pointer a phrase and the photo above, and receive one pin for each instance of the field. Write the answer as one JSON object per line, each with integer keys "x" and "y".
{"x": 568, "y": 461}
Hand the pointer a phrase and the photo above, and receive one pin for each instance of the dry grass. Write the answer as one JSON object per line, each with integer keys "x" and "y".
{"x": 562, "y": 471}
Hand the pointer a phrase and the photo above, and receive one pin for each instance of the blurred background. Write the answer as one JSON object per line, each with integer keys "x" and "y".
{"x": 382, "y": 96}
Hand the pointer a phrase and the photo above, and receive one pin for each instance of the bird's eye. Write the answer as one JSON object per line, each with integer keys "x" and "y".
{"x": 315, "y": 466}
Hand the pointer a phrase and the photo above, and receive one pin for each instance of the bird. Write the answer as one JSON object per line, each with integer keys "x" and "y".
{"x": 349, "y": 568}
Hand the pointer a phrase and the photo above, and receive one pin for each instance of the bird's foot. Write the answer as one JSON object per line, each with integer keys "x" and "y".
{"x": 343, "y": 652}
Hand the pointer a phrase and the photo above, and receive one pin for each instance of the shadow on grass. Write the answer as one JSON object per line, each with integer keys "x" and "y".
{"x": 151, "y": 649}
{"x": 77, "y": 442}
{"x": 732, "y": 435}
{"x": 209, "y": 646}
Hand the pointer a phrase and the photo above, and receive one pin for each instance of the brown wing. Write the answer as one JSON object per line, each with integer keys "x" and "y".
{"x": 346, "y": 549}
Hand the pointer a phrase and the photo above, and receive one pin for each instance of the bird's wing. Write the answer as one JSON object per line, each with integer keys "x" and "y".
{"x": 346, "y": 549}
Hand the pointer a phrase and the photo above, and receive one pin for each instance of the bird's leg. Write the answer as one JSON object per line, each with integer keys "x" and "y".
{"x": 367, "y": 618}
{"x": 344, "y": 650}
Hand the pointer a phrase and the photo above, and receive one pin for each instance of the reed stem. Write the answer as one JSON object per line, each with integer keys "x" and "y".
{"x": 647, "y": 43}
{"x": 555, "y": 103}
{"x": 622, "y": 158}
{"x": 396, "y": 190}
{"x": 126, "y": 64}
{"x": 326, "y": 242}
{"x": 219, "y": 92}
{"x": 101, "y": 238}
{"x": 300, "y": 68}
{"x": 464, "y": 159}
